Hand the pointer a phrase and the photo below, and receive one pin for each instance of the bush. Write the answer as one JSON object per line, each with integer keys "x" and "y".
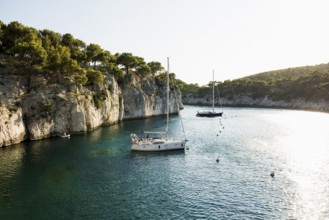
{"x": 94, "y": 76}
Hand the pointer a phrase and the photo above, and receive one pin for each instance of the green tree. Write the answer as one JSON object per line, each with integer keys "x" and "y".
{"x": 77, "y": 48}
{"x": 106, "y": 59}
{"x": 50, "y": 38}
{"x": 116, "y": 72}
{"x": 161, "y": 79}
{"x": 59, "y": 58}
{"x": 127, "y": 60}
{"x": 155, "y": 67}
{"x": 94, "y": 76}
{"x": 143, "y": 70}
{"x": 187, "y": 88}
{"x": 28, "y": 47}
{"x": 79, "y": 76}
{"x": 13, "y": 31}
{"x": 93, "y": 53}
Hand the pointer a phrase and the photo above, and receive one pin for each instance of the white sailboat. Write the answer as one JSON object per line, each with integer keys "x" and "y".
{"x": 210, "y": 113}
{"x": 162, "y": 143}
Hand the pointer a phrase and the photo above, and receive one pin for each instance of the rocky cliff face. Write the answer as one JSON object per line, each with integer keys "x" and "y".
{"x": 266, "y": 102}
{"x": 144, "y": 98}
{"x": 37, "y": 107}
{"x": 54, "y": 109}
{"x": 12, "y": 127}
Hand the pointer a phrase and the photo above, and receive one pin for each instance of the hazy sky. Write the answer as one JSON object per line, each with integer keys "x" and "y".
{"x": 236, "y": 38}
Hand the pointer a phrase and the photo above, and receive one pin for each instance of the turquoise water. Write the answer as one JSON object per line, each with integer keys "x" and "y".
{"x": 96, "y": 176}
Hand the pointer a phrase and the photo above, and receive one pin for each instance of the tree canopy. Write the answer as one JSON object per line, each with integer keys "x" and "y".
{"x": 51, "y": 52}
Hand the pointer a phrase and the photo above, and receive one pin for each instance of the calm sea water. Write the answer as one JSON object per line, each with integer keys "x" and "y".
{"x": 96, "y": 176}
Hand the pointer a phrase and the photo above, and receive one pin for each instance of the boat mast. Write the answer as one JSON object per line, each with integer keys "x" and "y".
{"x": 213, "y": 91}
{"x": 167, "y": 97}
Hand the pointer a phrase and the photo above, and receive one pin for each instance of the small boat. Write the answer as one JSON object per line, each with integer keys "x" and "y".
{"x": 159, "y": 140}
{"x": 65, "y": 135}
{"x": 210, "y": 113}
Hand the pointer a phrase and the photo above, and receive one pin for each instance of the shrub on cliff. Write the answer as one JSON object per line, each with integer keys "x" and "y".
{"x": 94, "y": 76}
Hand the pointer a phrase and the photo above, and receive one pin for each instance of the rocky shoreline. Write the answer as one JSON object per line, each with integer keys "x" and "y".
{"x": 265, "y": 102}
{"x": 36, "y": 108}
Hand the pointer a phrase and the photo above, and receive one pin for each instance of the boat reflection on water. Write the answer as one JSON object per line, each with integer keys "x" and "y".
{"x": 152, "y": 154}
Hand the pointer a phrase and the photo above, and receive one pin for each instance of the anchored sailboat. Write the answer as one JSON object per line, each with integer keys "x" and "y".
{"x": 211, "y": 113}
{"x": 162, "y": 143}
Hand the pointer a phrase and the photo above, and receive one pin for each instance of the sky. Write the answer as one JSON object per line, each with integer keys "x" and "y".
{"x": 235, "y": 38}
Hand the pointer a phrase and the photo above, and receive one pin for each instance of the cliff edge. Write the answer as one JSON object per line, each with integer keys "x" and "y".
{"x": 35, "y": 106}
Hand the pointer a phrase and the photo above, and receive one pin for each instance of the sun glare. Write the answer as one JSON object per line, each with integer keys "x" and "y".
{"x": 301, "y": 141}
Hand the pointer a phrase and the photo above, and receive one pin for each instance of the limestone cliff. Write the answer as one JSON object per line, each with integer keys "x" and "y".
{"x": 145, "y": 98}
{"x": 12, "y": 127}
{"x": 54, "y": 109}
{"x": 35, "y": 107}
{"x": 44, "y": 109}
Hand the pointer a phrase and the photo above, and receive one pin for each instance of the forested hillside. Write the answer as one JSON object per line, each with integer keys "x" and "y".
{"x": 310, "y": 83}
{"x": 289, "y": 73}
{"x": 63, "y": 56}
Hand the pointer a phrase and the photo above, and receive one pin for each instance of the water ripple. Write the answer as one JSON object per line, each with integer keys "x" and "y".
{"x": 96, "y": 176}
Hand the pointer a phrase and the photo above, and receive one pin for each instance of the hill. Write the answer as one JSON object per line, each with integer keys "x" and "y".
{"x": 289, "y": 73}
{"x": 300, "y": 87}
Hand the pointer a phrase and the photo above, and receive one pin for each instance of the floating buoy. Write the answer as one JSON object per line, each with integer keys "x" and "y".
{"x": 272, "y": 174}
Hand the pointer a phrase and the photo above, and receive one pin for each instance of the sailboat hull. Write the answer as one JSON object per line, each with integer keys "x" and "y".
{"x": 162, "y": 145}
{"x": 209, "y": 114}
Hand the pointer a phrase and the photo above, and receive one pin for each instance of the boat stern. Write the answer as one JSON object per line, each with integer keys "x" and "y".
{"x": 134, "y": 139}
